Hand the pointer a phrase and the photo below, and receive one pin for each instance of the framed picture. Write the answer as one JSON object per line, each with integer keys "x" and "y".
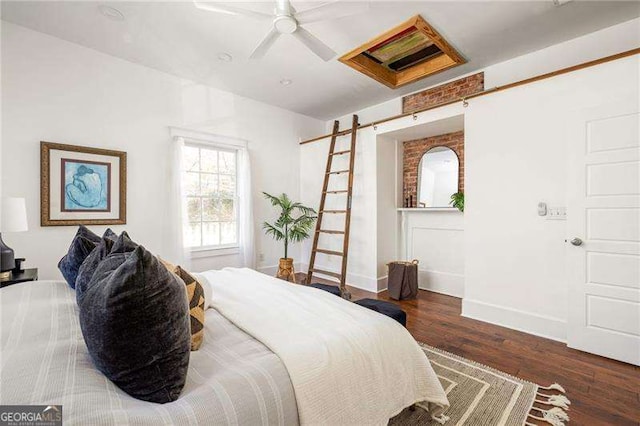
{"x": 82, "y": 186}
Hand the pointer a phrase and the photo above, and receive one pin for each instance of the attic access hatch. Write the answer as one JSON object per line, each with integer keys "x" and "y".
{"x": 404, "y": 54}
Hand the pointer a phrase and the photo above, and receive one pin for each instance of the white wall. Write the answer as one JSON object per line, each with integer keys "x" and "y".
{"x": 53, "y": 90}
{"x": 523, "y": 284}
{"x": 516, "y": 156}
{"x": 361, "y": 265}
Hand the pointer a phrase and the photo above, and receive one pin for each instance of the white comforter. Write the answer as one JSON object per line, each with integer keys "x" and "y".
{"x": 348, "y": 364}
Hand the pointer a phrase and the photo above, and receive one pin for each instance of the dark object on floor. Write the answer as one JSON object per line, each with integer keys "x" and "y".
{"x": 385, "y": 308}
{"x": 330, "y": 288}
{"x": 403, "y": 280}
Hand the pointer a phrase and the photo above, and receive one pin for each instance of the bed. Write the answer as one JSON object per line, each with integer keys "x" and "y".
{"x": 273, "y": 353}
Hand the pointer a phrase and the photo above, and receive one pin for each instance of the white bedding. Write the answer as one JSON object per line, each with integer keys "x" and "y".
{"x": 348, "y": 364}
{"x": 232, "y": 380}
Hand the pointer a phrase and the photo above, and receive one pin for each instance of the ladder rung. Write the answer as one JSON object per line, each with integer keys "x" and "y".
{"x": 331, "y": 274}
{"x": 337, "y": 172}
{"x": 330, "y": 231}
{"x": 330, "y": 252}
{"x": 340, "y": 152}
{"x": 342, "y": 191}
{"x": 333, "y": 211}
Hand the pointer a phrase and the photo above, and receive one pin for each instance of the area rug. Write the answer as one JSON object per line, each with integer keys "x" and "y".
{"x": 480, "y": 395}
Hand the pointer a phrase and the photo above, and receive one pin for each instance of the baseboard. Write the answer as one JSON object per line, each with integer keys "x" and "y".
{"x": 353, "y": 280}
{"x": 527, "y": 322}
{"x": 447, "y": 283}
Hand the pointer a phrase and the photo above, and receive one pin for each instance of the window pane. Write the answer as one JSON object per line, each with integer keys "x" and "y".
{"x": 210, "y": 209}
{"x": 192, "y": 183}
{"x": 209, "y": 185}
{"x": 227, "y": 211}
{"x": 190, "y": 159}
{"x": 211, "y": 234}
{"x": 228, "y": 186}
{"x": 193, "y": 235}
{"x": 228, "y": 233}
{"x": 228, "y": 162}
{"x": 193, "y": 209}
{"x": 209, "y": 160}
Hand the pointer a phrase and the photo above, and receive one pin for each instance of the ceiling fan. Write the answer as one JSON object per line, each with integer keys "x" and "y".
{"x": 286, "y": 20}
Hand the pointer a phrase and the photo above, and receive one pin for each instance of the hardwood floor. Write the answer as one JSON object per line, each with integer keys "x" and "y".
{"x": 602, "y": 391}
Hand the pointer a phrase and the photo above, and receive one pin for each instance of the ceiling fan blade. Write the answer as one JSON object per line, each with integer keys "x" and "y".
{"x": 314, "y": 44}
{"x": 231, "y": 10}
{"x": 265, "y": 44}
{"x": 333, "y": 10}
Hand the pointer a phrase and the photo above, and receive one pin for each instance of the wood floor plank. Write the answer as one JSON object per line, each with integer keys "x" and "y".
{"x": 602, "y": 391}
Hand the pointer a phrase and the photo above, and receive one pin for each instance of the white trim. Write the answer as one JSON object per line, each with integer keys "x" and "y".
{"x": 201, "y": 253}
{"x": 208, "y": 138}
{"x": 527, "y": 322}
{"x": 449, "y": 283}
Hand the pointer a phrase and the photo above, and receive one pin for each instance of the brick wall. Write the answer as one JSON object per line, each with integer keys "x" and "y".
{"x": 413, "y": 152}
{"x": 444, "y": 93}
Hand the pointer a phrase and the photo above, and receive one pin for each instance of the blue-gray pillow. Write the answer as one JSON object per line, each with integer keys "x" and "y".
{"x": 110, "y": 243}
{"x": 82, "y": 245}
{"x": 134, "y": 317}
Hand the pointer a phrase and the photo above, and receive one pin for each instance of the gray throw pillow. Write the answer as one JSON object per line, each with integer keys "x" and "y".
{"x": 134, "y": 317}
{"x": 82, "y": 244}
{"x": 110, "y": 243}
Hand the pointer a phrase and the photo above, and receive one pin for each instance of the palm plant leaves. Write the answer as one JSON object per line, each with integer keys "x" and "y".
{"x": 288, "y": 227}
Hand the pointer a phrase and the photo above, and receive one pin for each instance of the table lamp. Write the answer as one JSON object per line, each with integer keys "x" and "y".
{"x": 13, "y": 218}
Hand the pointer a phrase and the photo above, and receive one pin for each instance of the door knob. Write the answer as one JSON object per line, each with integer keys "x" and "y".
{"x": 576, "y": 241}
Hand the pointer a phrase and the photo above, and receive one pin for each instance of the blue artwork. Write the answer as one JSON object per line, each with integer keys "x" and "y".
{"x": 86, "y": 186}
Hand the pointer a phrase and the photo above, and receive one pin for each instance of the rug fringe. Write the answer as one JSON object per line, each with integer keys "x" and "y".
{"x": 556, "y": 400}
{"x": 555, "y": 416}
{"x": 554, "y": 386}
{"x": 442, "y": 419}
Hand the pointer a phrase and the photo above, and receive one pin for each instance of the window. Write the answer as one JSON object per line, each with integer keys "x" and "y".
{"x": 210, "y": 177}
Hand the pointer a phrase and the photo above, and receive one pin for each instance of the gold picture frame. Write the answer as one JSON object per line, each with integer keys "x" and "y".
{"x": 82, "y": 185}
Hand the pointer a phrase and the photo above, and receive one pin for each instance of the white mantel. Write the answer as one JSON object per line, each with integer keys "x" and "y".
{"x": 427, "y": 209}
{"x": 435, "y": 236}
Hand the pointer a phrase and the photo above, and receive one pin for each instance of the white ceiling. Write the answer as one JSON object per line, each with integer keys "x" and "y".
{"x": 426, "y": 130}
{"x": 177, "y": 38}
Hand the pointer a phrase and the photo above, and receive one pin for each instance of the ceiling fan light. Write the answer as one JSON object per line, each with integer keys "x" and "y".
{"x": 285, "y": 24}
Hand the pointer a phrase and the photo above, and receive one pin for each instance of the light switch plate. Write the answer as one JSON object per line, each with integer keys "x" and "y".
{"x": 557, "y": 213}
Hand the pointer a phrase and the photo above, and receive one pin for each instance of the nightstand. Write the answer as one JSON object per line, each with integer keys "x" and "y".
{"x": 20, "y": 277}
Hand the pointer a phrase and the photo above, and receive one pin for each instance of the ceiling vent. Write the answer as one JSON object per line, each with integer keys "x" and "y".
{"x": 404, "y": 54}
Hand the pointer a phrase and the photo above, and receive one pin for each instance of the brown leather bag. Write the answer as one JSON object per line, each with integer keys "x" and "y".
{"x": 403, "y": 280}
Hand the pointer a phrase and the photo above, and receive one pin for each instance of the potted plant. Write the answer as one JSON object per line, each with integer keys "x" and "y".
{"x": 457, "y": 201}
{"x": 294, "y": 224}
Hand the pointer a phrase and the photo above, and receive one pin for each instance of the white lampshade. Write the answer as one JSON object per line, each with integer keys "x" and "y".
{"x": 14, "y": 215}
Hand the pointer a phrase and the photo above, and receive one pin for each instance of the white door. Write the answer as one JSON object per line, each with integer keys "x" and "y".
{"x": 603, "y": 225}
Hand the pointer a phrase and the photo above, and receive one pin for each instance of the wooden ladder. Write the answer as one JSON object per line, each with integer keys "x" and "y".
{"x": 347, "y": 212}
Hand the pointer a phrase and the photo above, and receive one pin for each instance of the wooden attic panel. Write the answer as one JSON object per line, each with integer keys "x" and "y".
{"x": 425, "y": 69}
{"x": 374, "y": 70}
{"x": 372, "y": 60}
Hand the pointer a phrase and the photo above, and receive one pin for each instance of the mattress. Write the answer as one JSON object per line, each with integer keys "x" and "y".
{"x": 233, "y": 379}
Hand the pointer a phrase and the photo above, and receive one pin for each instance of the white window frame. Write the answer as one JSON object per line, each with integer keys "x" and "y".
{"x": 213, "y": 141}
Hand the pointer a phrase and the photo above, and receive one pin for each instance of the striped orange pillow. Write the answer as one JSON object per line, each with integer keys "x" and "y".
{"x": 195, "y": 294}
